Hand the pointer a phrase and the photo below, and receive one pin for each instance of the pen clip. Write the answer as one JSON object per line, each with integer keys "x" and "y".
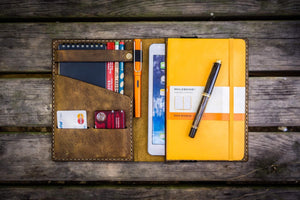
{"x": 134, "y": 58}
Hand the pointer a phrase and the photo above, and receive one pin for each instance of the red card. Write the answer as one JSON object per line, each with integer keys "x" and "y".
{"x": 110, "y": 119}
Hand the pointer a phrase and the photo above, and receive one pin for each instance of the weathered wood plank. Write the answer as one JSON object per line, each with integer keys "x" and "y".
{"x": 25, "y": 102}
{"x": 273, "y": 157}
{"x": 272, "y": 102}
{"x": 273, "y": 45}
{"x": 146, "y": 9}
{"x": 143, "y": 192}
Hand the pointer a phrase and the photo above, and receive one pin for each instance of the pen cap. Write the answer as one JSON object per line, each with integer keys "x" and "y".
{"x": 212, "y": 77}
{"x": 192, "y": 132}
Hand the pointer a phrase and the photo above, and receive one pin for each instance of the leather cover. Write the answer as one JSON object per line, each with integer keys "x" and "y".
{"x": 91, "y": 144}
{"x": 69, "y": 94}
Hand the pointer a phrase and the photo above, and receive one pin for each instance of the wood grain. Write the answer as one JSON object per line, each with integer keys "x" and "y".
{"x": 146, "y": 9}
{"x": 25, "y": 102}
{"x": 144, "y": 192}
{"x": 273, "y": 157}
{"x": 272, "y": 102}
{"x": 273, "y": 45}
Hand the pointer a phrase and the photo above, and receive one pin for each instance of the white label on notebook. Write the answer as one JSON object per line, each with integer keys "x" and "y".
{"x": 186, "y": 99}
{"x": 72, "y": 119}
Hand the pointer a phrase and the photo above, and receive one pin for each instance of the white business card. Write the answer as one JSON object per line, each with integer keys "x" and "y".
{"x": 71, "y": 119}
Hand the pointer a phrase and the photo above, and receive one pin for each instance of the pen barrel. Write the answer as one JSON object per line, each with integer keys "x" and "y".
{"x": 205, "y": 96}
{"x": 198, "y": 115}
{"x": 137, "y": 95}
{"x": 212, "y": 78}
{"x": 137, "y": 75}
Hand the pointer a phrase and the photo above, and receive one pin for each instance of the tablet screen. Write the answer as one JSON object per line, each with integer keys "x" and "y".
{"x": 158, "y": 116}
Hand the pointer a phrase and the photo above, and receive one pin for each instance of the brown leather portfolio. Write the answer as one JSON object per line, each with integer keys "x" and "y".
{"x": 91, "y": 144}
{"x": 223, "y": 133}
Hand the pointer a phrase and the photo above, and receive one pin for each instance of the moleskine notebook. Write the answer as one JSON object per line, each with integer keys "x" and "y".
{"x": 222, "y": 132}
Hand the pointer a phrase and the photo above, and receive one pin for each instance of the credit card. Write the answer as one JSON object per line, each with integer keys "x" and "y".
{"x": 72, "y": 119}
{"x": 110, "y": 119}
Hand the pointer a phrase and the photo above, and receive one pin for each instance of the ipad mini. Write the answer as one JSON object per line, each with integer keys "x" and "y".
{"x": 156, "y": 102}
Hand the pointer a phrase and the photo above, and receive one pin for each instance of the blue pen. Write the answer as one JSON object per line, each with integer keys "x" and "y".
{"x": 121, "y": 71}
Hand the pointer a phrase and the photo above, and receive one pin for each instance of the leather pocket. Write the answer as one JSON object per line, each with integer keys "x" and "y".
{"x": 91, "y": 143}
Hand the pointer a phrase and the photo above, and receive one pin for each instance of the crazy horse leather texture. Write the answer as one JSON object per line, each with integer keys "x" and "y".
{"x": 91, "y": 143}
{"x": 70, "y": 94}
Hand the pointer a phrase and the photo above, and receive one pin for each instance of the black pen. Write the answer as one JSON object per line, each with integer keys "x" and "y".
{"x": 205, "y": 96}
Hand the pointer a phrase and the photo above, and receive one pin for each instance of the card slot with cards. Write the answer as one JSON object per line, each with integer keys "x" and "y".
{"x": 85, "y": 144}
{"x": 95, "y": 62}
{"x": 90, "y": 98}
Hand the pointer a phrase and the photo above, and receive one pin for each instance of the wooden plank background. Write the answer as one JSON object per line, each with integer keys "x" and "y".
{"x": 26, "y": 47}
{"x": 146, "y": 192}
{"x": 26, "y": 31}
{"x": 147, "y": 9}
{"x": 273, "y": 157}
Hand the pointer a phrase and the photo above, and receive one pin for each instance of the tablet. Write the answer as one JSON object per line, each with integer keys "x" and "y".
{"x": 156, "y": 101}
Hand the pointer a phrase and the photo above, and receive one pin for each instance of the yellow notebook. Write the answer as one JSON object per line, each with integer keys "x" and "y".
{"x": 222, "y": 132}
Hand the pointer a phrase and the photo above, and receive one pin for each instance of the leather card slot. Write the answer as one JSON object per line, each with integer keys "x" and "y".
{"x": 91, "y": 143}
{"x": 128, "y": 77}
